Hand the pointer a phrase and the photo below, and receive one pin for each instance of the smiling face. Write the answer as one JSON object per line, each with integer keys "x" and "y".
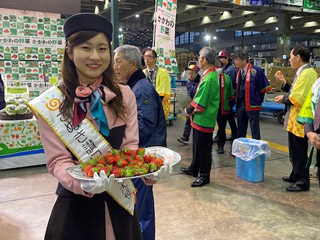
{"x": 91, "y": 58}
{"x": 123, "y": 68}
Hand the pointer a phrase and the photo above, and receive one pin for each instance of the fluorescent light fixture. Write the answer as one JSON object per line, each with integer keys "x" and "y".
{"x": 271, "y": 20}
{"x": 189, "y": 7}
{"x": 106, "y": 4}
{"x": 311, "y": 24}
{"x": 247, "y": 12}
{"x": 296, "y": 17}
{"x": 317, "y": 30}
{"x": 205, "y": 20}
{"x": 225, "y": 15}
{"x": 96, "y": 10}
{"x": 249, "y": 24}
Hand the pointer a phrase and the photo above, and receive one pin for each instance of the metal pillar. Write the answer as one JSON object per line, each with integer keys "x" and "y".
{"x": 115, "y": 23}
{"x": 283, "y": 35}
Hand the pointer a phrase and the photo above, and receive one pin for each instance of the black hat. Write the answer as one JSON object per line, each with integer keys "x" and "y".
{"x": 87, "y": 21}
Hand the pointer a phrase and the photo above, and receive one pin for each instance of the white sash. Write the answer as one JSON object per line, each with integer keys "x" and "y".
{"x": 83, "y": 140}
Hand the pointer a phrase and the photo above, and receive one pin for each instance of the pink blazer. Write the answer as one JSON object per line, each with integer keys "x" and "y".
{"x": 59, "y": 158}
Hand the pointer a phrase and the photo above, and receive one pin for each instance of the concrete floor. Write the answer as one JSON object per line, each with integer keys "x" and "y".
{"x": 227, "y": 208}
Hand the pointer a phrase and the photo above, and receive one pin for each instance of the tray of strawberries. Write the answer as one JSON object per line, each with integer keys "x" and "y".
{"x": 126, "y": 164}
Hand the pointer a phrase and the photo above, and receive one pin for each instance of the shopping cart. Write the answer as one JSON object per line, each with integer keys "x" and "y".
{"x": 174, "y": 110}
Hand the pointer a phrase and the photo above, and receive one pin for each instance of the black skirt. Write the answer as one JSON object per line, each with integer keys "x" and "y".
{"x": 79, "y": 217}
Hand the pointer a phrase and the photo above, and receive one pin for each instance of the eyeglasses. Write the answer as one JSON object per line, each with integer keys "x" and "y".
{"x": 147, "y": 56}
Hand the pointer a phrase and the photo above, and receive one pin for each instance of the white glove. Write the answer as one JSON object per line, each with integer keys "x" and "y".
{"x": 163, "y": 173}
{"x": 100, "y": 184}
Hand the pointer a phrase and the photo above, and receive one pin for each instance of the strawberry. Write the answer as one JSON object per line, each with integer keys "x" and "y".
{"x": 102, "y": 161}
{"x": 126, "y": 151}
{"x": 122, "y": 163}
{"x": 86, "y": 169}
{"x": 90, "y": 173}
{"x": 146, "y": 158}
{"x": 116, "y": 171}
{"x": 158, "y": 161}
{"x": 140, "y": 151}
{"x": 107, "y": 169}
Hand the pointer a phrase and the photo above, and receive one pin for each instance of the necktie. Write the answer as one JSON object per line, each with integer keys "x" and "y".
{"x": 150, "y": 74}
{"x": 316, "y": 120}
{"x": 242, "y": 73}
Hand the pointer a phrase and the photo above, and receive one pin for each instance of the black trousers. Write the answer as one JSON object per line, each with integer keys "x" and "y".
{"x": 202, "y": 159}
{"x": 298, "y": 152}
{"x": 232, "y": 122}
{"x": 243, "y": 117}
{"x": 187, "y": 129}
{"x": 222, "y": 122}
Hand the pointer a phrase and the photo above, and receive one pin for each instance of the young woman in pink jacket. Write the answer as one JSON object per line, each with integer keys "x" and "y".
{"x": 84, "y": 210}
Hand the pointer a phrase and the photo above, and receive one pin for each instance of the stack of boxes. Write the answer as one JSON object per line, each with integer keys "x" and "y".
{"x": 183, "y": 59}
{"x": 287, "y": 72}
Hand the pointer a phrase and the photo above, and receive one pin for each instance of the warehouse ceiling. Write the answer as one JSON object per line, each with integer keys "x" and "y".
{"x": 136, "y": 18}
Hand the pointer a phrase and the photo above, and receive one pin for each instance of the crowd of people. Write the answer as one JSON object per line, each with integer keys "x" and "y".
{"x": 107, "y": 101}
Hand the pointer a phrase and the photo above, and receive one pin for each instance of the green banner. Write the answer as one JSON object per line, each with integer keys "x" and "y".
{"x": 311, "y": 6}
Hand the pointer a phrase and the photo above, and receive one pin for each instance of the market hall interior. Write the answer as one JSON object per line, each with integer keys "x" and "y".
{"x": 227, "y": 208}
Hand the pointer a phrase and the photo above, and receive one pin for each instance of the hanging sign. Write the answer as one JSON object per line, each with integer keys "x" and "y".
{"x": 290, "y": 2}
{"x": 311, "y": 6}
{"x": 164, "y": 34}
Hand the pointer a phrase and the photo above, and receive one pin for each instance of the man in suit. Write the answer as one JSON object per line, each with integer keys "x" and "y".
{"x": 252, "y": 84}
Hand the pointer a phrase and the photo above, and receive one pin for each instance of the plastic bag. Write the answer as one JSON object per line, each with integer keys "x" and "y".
{"x": 248, "y": 149}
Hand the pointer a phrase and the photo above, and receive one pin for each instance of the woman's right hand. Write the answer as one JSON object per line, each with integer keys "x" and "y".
{"x": 279, "y": 77}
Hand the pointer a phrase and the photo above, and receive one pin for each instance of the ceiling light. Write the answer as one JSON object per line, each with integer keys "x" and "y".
{"x": 207, "y": 37}
{"x": 296, "y": 17}
{"x": 225, "y": 15}
{"x": 96, "y": 10}
{"x": 317, "y": 30}
{"x": 270, "y": 20}
{"x": 106, "y": 4}
{"x": 276, "y": 28}
{"x": 137, "y": 15}
{"x": 247, "y": 12}
{"x": 189, "y": 7}
{"x": 205, "y": 20}
{"x": 215, "y": 38}
{"x": 249, "y": 24}
{"x": 120, "y": 29}
{"x": 311, "y": 24}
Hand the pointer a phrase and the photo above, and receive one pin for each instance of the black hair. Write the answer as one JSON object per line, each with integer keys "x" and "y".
{"x": 302, "y": 51}
{"x": 242, "y": 55}
{"x": 154, "y": 53}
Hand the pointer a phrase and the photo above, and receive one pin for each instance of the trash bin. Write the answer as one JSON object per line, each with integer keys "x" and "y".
{"x": 250, "y": 158}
